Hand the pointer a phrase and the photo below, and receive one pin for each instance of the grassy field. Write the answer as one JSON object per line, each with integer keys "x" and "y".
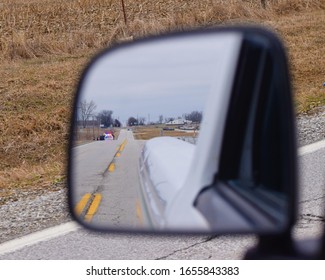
{"x": 45, "y": 44}
{"x": 148, "y": 132}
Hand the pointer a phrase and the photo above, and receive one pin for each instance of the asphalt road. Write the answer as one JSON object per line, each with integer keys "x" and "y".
{"x": 311, "y": 193}
{"x": 71, "y": 242}
{"x": 106, "y": 182}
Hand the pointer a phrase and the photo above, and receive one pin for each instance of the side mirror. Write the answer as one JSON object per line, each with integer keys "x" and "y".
{"x": 188, "y": 132}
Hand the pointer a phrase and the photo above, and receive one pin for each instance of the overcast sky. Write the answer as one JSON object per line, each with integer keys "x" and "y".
{"x": 161, "y": 77}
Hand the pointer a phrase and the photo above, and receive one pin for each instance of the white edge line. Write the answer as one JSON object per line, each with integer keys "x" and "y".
{"x": 311, "y": 148}
{"x": 36, "y": 237}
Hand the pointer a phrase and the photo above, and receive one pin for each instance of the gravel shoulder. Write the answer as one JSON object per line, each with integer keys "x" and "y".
{"x": 33, "y": 211}
{"x": 311, "y": 127}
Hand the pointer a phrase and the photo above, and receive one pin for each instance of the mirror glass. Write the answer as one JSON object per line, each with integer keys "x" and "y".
{"x": 142, "y": 122}
{"x": 152, "y": 89}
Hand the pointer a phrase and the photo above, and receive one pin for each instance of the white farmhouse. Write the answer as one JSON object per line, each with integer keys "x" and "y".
{"x": 179, "y": 121}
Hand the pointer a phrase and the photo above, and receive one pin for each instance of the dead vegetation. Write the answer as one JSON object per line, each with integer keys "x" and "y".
{"x": 148, "y": 132}
{"x": 45, "y": 44}
{"x": 32, "y": 29}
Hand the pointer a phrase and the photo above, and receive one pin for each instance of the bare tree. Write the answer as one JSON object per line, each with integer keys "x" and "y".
{"x": 161, "y": 119}
{"x": 194, "y": 116}
{"x": 141, "y": 120}
{"x": 106, "y": 118}
{"x": 86, "y": 110}
{"x": 117, "y": 123}
{"x": 132, "y": 121}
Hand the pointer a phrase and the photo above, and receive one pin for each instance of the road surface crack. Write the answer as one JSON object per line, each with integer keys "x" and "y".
{"x": 207, "y": 239}
{"x": 311, "y": 217}
{"x": 309, "y": 220}
{"x": 313, "y": 199}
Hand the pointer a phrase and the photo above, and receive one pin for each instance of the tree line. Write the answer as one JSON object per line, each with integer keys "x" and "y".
{"x": 88, "y": 114}
{"x": 194, "y": 116}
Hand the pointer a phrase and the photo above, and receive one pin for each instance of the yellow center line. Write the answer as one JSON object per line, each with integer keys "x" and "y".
{"x": 118, "y": 154}
{"x": 82, "y": 204}
{"x": 122, "y": 146}
{"x": 111, "y": 167}
{"x": 93, "y": 207}
{"x": 139, "y": 212}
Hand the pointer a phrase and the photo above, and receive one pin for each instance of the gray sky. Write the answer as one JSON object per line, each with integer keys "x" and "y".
{"x": 162, "y": 77}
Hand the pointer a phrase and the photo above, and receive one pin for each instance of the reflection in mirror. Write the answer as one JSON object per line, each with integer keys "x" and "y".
{"x": 154, "y": 89}
{"x": 147, "y": 135}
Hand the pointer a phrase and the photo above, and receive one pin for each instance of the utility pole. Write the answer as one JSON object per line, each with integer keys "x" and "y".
{"x": 124, "y": 13}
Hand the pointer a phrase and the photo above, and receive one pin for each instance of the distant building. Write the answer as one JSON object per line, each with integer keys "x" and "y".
{"x": 178, "y": 122}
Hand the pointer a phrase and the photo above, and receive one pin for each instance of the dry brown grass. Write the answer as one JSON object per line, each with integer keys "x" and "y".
{"x": 304, "y": 36}
{"x": 38, "y": 177}
{"x": 44, "y": 45}
{"x": 148, "y": 132}
{"x": 36, "y": 28}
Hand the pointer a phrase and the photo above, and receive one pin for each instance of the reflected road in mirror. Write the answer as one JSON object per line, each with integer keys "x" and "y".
{"x": 108, "y": 181}
{"x": 138, "y": 119}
